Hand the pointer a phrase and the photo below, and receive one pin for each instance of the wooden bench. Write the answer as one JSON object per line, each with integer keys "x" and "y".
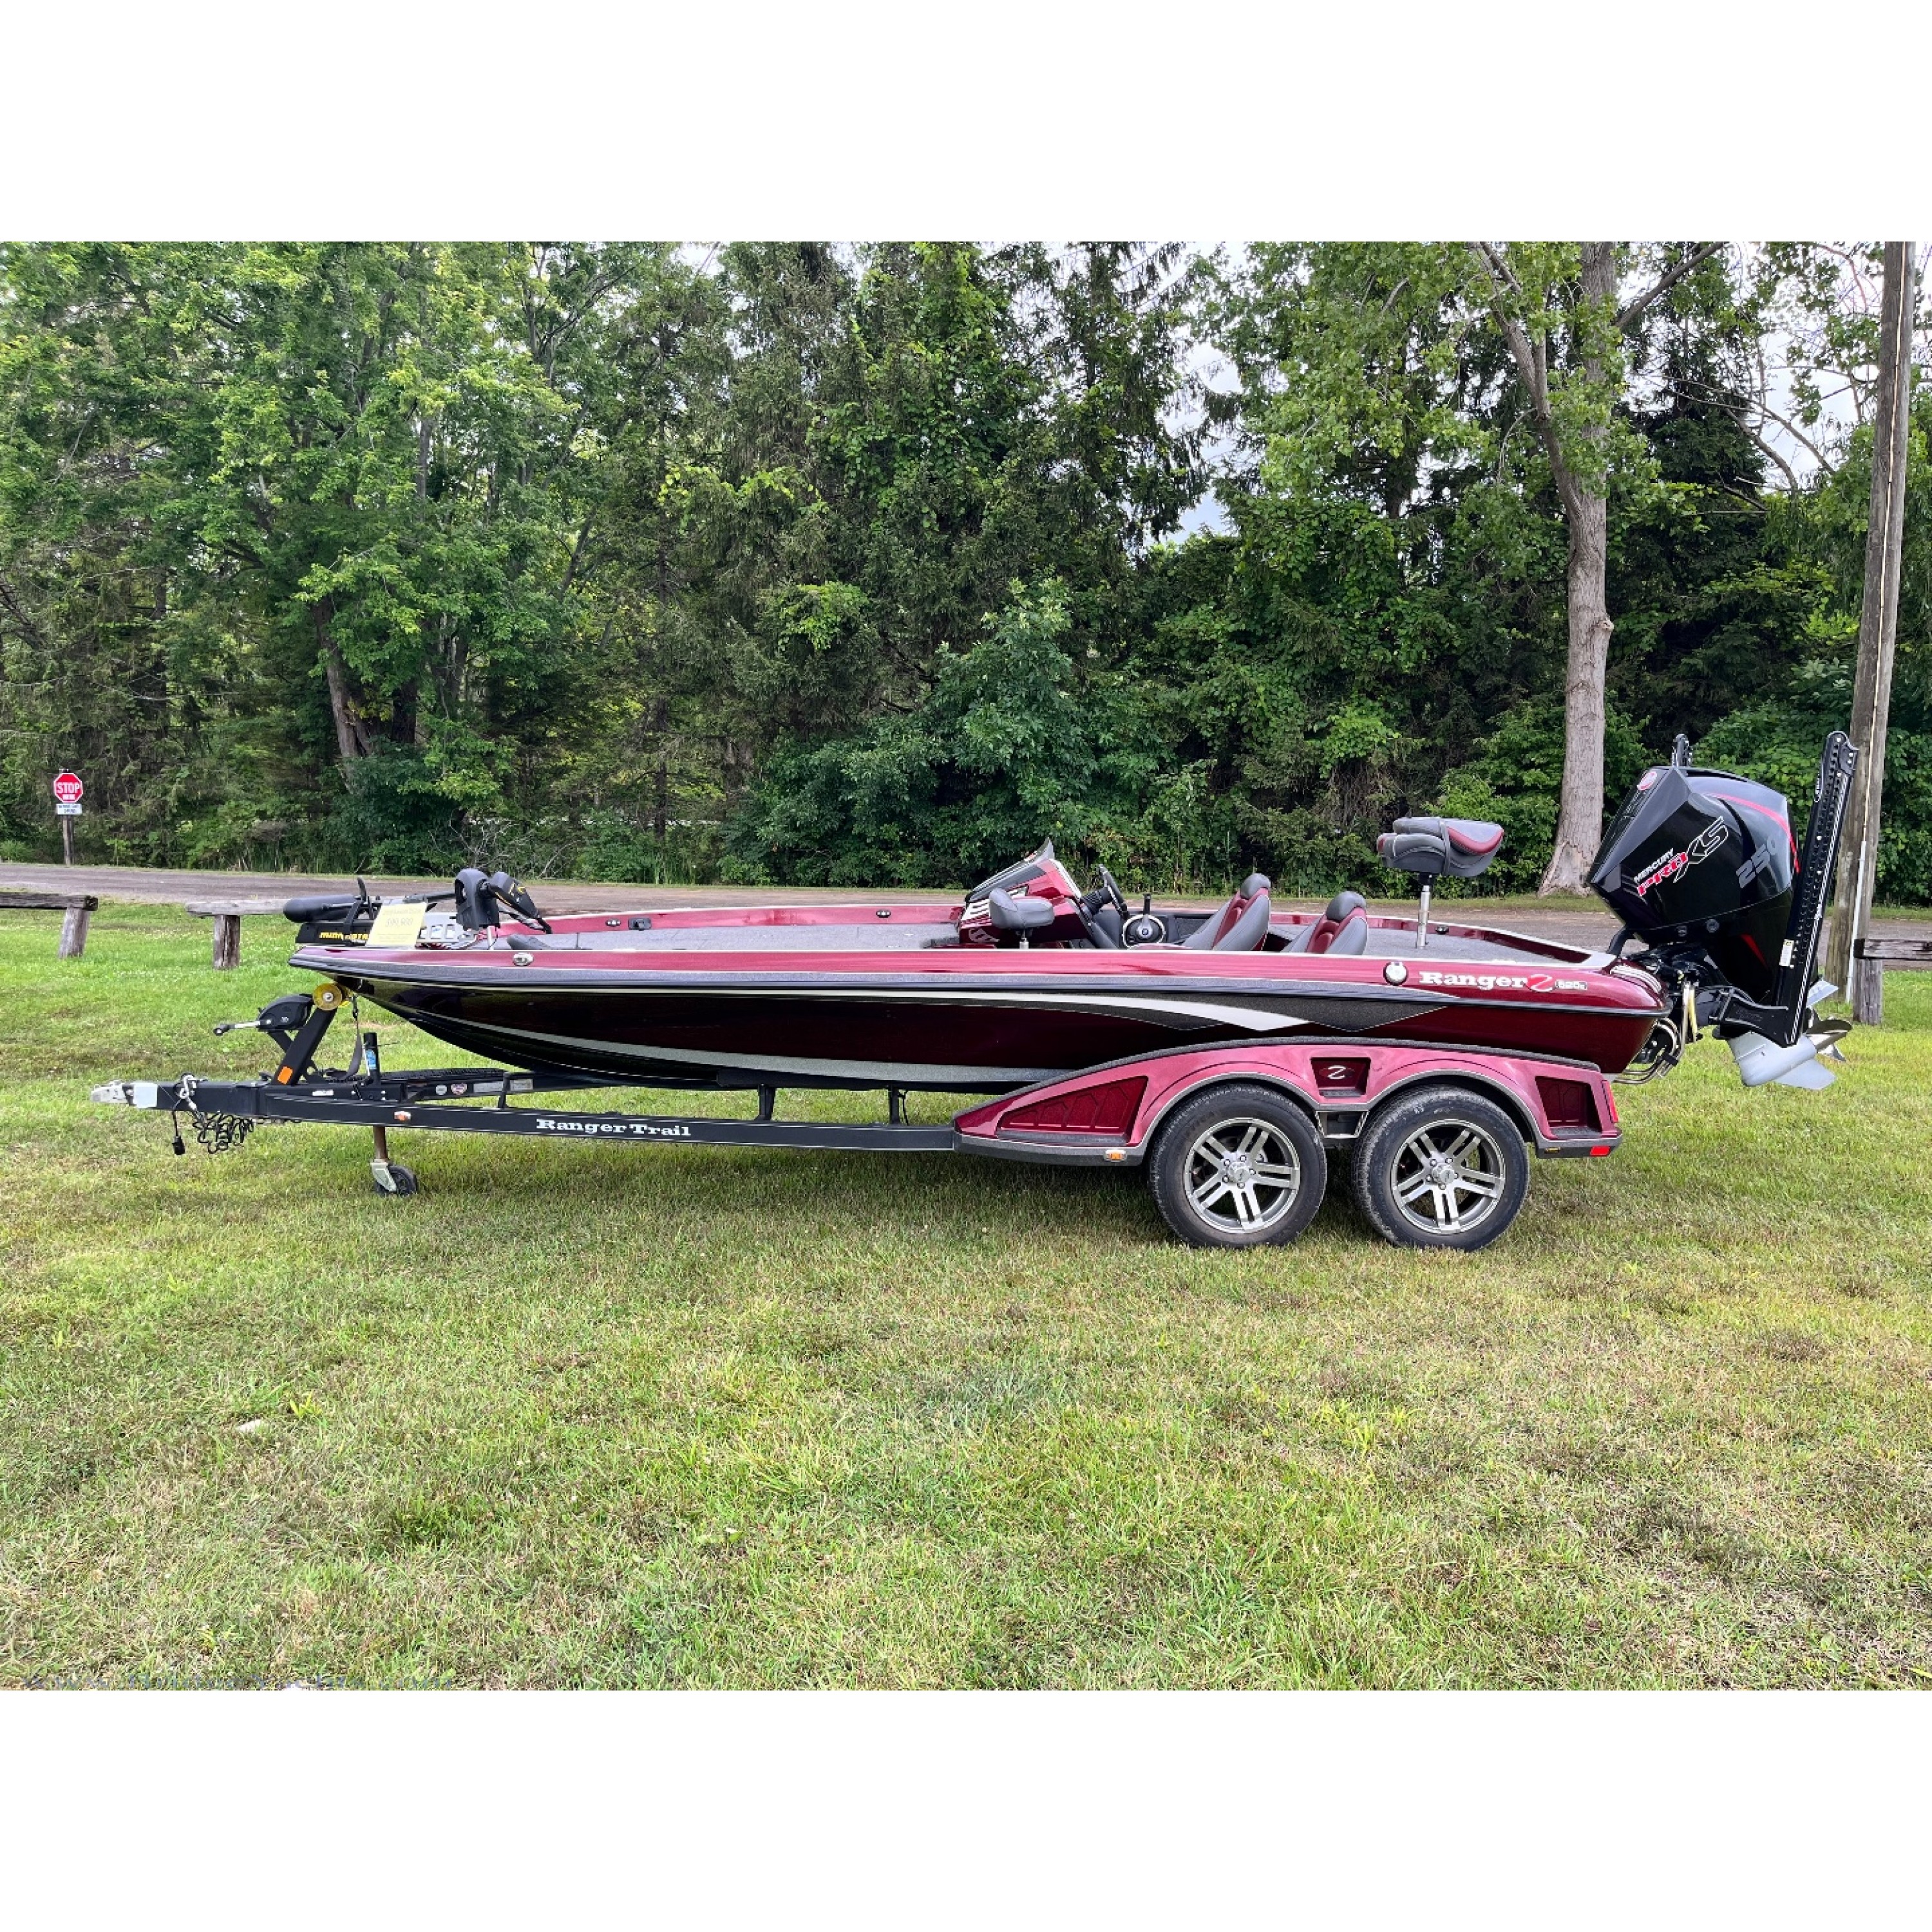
{"x": 78, "y": 907}
{"x": 228, "y": 915}
{"x": 1895, "y": 951}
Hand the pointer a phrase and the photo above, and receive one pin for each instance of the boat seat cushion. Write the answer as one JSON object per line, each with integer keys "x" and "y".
{"x": 1209, "y": 935}
{"x": 1343, "y": 927}
{"x": 1250, "y": 932}
{"x": 1434, "y": 848}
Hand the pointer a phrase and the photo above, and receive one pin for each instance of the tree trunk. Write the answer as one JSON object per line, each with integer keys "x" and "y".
{"x": 661, "y": 797}
{"x": 661, "y": 712}
{"x": 1580, "y": 823}
{"x": 1580, "y": 820}
{"x": 349, "y": 741}
{"x": 1878, "y": 636}
{"x": 403, "y": 709}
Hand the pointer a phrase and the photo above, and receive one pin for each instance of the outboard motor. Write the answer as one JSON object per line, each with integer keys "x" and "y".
{"x": 1702, "y": 865}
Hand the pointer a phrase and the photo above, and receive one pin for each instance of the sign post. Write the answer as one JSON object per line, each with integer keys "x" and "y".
{"x": 68, "y": 792}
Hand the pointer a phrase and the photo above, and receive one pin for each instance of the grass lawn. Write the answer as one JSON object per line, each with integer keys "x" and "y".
{"x": 596, "y": 1415}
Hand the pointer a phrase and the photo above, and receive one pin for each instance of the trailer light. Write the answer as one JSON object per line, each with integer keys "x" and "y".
{"x": 1116, "y": 1153}
{"x": 1597, "y": 1152}
{"x": 402, "y": 1113}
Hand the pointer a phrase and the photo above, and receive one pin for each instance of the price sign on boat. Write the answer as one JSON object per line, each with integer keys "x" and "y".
{"x": 399, "y": 923}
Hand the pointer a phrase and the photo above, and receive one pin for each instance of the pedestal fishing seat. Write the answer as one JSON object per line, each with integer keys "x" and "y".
{"x": 1430, "y": 849}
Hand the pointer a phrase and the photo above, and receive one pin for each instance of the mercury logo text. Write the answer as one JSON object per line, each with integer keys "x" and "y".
{"x": 1659, "y": 871}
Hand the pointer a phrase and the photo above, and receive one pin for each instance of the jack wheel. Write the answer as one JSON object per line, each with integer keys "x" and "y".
{"x": 1441, "y": 1169}
{"x": 1239, "y": 1168}
{"x": 392, "y": 1177}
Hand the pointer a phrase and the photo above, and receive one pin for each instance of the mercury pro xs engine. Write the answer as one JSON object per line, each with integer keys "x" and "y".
{"x": 1701, "y": 865}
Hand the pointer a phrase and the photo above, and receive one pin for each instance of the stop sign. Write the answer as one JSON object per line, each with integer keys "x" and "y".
{"x": 68, "y": 788}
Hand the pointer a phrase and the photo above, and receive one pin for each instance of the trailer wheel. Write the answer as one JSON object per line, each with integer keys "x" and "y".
{"x": 392, "y": 1177}
{"x": 1441, "y": 1169}
{"x": 1239, "y": 1168}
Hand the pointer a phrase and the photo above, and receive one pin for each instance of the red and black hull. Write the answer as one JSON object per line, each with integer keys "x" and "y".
{"x": 968, "y": 1020}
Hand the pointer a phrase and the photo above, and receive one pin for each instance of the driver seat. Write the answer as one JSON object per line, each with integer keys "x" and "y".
{"x": 1241, "y": 925}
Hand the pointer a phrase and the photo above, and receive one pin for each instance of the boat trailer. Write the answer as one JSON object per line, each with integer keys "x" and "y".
{"x": 1236, "y": 1137}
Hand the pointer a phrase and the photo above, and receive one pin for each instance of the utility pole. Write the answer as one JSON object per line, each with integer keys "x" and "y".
{"x": 1878, "y": 637}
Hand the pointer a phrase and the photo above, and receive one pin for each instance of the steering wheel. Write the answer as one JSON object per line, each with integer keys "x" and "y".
{"x": 1103, "y": 893}
{"x": 1105, "y": 890}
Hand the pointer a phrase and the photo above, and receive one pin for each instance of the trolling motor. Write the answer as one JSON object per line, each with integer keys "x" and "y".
{"x": 1701, "y": 864}
{"x": 330, "y": 918}
{"x": 480, "y": 900}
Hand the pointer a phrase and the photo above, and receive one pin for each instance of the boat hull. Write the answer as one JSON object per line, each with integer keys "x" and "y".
{"x": 958, "y": 1023}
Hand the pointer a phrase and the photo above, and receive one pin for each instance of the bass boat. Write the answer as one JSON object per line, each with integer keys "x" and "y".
{"x": 1225, "y": 1054}
{"x": 1029, "y": 977}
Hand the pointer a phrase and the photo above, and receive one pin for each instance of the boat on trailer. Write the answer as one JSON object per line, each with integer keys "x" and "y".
{"x": 1228, "y": 1053}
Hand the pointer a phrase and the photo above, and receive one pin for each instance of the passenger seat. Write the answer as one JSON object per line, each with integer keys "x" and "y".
{"x": 1343, "y": 928}
{"x": 1218, "y": 933}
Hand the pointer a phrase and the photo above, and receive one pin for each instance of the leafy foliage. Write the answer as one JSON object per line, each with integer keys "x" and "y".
{"x": 798, "y": 563}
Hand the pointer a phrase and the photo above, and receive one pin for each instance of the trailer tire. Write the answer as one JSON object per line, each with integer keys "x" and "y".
{"x": 1442, "y": 1167}
{"x": 1238, "y": 1167}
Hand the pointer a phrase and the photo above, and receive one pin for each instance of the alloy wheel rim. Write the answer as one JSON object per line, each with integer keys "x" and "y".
{"x": 1449, "y": 1176}
{"x": 1242, "y": 1176}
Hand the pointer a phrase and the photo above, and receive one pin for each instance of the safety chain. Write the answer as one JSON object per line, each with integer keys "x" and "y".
{"x": 218, "y": 1133}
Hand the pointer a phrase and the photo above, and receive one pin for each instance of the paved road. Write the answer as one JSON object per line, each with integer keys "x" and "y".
{"x": 1580, "y": 924}
{"x": 139, "y": 883}
{"x": 1572, "y": 924}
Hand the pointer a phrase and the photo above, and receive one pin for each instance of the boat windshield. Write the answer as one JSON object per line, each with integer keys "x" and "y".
{"x": 1033, "y": 866}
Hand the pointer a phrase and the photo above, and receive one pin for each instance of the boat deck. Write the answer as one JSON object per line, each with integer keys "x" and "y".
{"x": 1385, "y": 942}
{"x": 881, "y": 937}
